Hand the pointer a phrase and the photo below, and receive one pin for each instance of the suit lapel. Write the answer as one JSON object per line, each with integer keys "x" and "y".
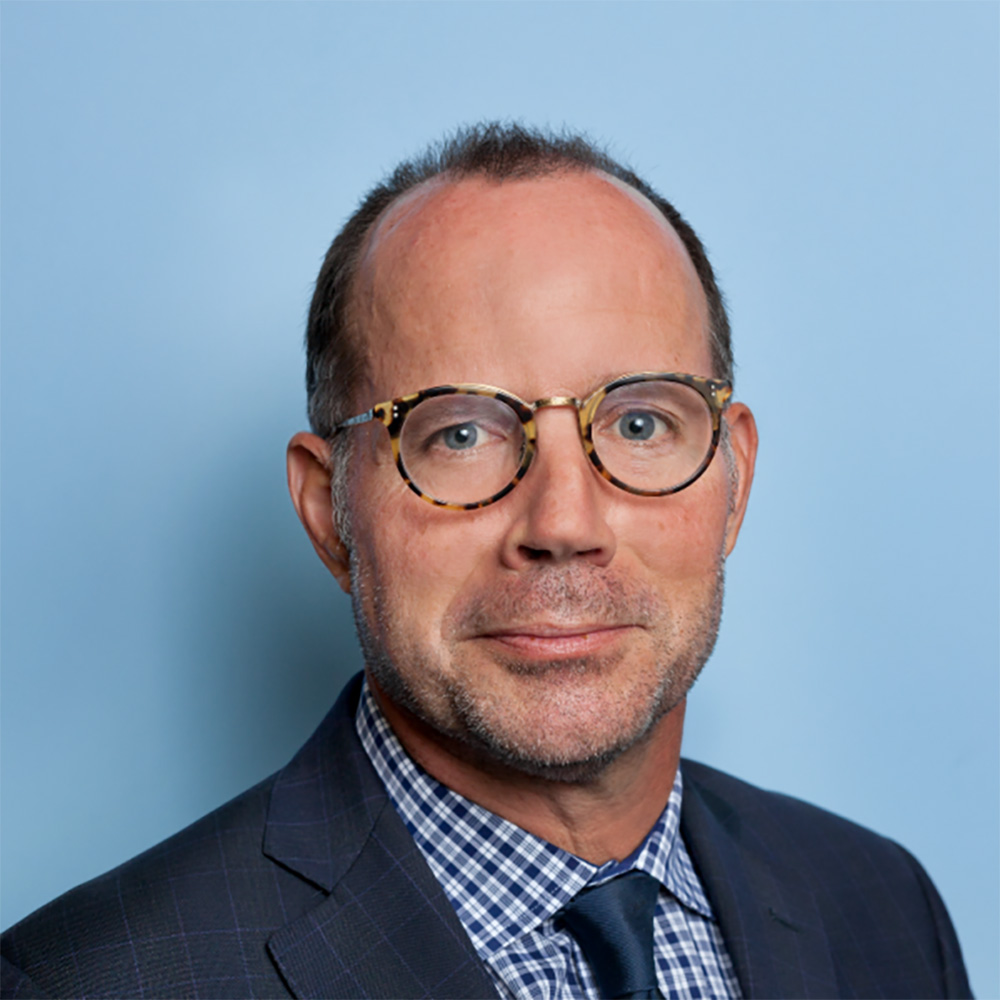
{"x": 386, "y": 929}
{"x": 766, "y": 912}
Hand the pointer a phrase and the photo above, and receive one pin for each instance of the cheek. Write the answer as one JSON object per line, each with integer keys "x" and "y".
{"x": 682, "y": 539}
{"x": 422, "y": 558}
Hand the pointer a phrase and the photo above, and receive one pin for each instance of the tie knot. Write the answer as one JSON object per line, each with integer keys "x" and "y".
{"x": 613, "y": 925}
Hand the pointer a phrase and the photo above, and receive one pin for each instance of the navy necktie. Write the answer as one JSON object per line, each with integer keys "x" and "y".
{"x": 613, "y": 925}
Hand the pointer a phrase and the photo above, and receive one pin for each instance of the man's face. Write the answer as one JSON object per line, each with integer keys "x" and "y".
{"x": 554, "y": 628}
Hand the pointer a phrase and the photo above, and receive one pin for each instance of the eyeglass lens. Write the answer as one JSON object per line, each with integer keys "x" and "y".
{"x": 651, "y": 435}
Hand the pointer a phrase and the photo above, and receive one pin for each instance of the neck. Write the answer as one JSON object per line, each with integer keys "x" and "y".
{"x": 603, "y": 818}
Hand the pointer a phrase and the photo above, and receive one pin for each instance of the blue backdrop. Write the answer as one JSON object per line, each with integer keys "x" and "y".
{"x": 172, "y": 175}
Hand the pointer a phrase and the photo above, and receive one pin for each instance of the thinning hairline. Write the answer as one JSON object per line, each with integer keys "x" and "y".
{"x": 455, "y": 177}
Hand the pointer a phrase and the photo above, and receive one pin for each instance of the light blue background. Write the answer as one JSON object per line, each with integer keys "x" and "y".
{"x": 172, "y": 175}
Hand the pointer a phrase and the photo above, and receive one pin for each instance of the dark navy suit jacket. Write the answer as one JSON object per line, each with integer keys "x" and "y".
{"x": 309, "y": 885}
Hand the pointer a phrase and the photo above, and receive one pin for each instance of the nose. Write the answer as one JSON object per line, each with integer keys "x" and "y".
{"x": 561, "y": 504}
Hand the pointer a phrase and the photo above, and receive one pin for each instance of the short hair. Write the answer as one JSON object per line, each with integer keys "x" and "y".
{"x": 336, "y": 357}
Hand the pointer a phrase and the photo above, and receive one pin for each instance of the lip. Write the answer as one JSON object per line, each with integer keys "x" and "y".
{"x": 548, "y": 642}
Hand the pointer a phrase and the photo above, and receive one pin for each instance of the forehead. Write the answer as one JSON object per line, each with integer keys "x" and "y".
{"x": 553, "y": 280}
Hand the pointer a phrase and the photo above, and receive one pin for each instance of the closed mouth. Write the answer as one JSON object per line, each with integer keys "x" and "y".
{"x": 547, "y": 641}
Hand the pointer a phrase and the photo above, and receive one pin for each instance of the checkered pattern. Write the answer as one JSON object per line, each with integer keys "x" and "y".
{"x": 507, "y": 885}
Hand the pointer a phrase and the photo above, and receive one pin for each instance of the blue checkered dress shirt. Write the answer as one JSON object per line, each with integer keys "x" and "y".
{"x": 507, "y": 885}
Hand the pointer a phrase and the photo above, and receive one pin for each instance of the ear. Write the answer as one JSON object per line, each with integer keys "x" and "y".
{"x": 309, "y": 485}
{"x": 743, "y": 442}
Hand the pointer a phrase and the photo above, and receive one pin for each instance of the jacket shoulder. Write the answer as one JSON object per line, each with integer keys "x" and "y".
{"x": 784, "y": 831}
{"x": 738, "y": 803}
{"x": 156, "y": 922}
{"x": 192, "y": 916}
{"x": 874, "y": 900}
{"x": 773, "y": 818}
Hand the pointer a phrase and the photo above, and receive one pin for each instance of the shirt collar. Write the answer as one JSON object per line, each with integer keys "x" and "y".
{"x": 502, "y": 880}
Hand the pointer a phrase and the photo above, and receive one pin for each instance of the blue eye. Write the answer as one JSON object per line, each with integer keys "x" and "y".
{"x": 460, "y": 436}
{"x": 637, "y": 426}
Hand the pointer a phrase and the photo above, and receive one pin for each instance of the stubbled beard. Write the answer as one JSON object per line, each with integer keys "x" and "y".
{"x": 462, "y": 714}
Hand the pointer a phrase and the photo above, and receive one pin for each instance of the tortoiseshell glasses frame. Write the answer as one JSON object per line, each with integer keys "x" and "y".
{"x": 393, "y": 413}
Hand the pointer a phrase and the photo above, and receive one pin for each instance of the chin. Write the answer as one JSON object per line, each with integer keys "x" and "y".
{"x": 567, "y": 724}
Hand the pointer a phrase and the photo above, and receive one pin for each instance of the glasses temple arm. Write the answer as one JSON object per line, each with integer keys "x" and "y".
{"x": 361, "y": 418}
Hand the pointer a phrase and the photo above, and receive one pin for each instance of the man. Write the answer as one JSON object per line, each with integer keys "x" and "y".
{"x": 527, "y": 470}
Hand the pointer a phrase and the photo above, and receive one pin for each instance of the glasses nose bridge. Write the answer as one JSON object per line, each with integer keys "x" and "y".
{"x": 554, "y": 403}
{"x": 558, "y": 402}
{"x": 547, "y": 402}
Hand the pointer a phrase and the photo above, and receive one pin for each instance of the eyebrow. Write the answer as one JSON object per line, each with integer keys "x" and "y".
{"x": 608, "y": 377}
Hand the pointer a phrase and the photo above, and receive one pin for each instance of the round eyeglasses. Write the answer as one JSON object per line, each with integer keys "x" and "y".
{"x": 466, "y": 446}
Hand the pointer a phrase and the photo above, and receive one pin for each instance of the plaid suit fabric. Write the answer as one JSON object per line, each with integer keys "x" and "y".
{"x": 309, "y": 885}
